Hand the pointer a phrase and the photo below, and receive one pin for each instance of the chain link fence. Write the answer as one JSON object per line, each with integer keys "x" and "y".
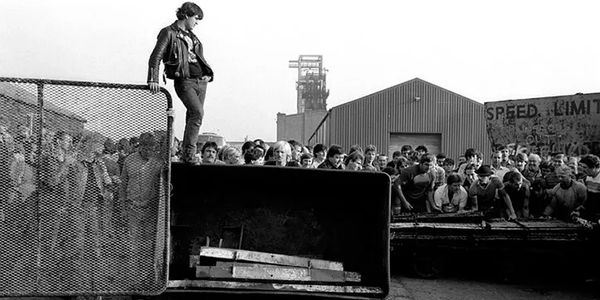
{"x": 84, "y": 197}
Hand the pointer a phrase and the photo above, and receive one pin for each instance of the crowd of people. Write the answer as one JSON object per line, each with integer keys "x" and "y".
{"x": 88, "y": 189}
{"x": 87, "y": 192}
{"x": 513, "y": 185}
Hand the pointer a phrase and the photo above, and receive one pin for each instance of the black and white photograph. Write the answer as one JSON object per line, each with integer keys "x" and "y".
{"x": 384, "y": 149}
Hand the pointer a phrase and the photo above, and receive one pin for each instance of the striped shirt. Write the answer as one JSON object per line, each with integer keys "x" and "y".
{"x": 593, "y": 183}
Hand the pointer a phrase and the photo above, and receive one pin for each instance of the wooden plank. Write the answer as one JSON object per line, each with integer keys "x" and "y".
{"x": 310, "y": 288}
{"x": 321, "y": 275}
{"x": 303, "y": 274}
{"x": 269, "y": 258}
{"x": 222, "y": 253}
{"x": 213, "y": 272}
{"x": 271, "y": 273}
{"x": 325, "y": 264}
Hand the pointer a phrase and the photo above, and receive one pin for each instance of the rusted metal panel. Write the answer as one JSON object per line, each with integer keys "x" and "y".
{"x": 562, "y": 124}
{"x": 415, "y": 106}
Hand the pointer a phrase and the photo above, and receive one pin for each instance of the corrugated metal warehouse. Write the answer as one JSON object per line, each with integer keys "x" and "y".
{"x": 413, "y": 113}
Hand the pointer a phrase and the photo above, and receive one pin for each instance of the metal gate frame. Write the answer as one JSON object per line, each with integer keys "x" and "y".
{"x": 40, "y": 84}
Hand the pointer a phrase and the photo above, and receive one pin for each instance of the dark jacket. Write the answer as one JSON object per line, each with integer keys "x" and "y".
{"x": 328, "y": 165}
{"x": 172, "y": 50}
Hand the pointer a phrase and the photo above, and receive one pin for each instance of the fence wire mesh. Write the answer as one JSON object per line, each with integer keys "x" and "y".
{"x": 84, "y": 198}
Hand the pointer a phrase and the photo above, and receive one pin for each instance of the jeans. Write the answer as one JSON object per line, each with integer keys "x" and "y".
{"x": 191, "y": 92}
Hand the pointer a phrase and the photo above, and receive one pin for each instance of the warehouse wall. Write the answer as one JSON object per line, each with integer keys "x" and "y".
{"x": 412, "y": 107}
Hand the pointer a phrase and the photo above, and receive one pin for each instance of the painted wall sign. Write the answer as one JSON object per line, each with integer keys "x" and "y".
{"x": 564, "y": 124}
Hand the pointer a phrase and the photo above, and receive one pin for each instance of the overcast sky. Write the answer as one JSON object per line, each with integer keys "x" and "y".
{"x": 484, "y": 50}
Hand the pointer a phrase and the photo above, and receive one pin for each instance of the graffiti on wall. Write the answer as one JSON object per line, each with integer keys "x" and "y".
{"x": 564, "y": 124}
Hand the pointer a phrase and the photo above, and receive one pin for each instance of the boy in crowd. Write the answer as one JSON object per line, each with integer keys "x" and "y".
{"x": 319, "y": 152}
{"x": 506, "y": 161}
{"x": 354, "y": 161}
{"x": 334, "y": 159}
{"x": 406, "y": 150}
{"x": 370, "y": 154}
{"x": 448, "y": 166}
{"x": 382, "y": 161}
{"x": 306, "y": 161}
{"x": 483, "y": 195}
{"x": 451, "y": 197}
{"x": 421, "y": 150}
{"x": 469, "y": 176}
{"x": 395, "y": 163}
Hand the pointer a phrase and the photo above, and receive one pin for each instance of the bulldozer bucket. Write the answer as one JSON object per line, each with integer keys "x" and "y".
{"x": 334, "y": 220}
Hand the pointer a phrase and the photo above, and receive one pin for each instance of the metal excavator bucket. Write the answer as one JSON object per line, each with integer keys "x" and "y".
{"x": 84, "y": 195}
{"x": 278, "y": 232}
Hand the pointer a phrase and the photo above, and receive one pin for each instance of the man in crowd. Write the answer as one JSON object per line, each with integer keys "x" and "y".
{"x": 416, "y": 184}
{"x": 399, "y": 203}
{"x": 7, "y": 149}
{"x": 567, "y": 195}
{"x": 533, "y": 172}
{"x": 497, "y": 167}
{"x": 140, "y": 188}
{"x": 209, "y": 153}
{"x": 590, "y": 166}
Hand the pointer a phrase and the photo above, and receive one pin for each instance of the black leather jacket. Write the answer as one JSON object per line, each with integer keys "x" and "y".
{"x": 172, "y": 50}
